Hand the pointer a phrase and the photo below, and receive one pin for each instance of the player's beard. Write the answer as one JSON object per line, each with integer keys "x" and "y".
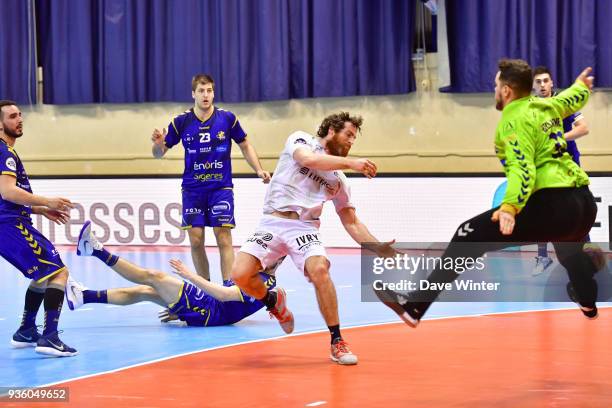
{"x": 13, "y": 133}
{"x": 336, "y": 148}
{"x": 499, "y": 105}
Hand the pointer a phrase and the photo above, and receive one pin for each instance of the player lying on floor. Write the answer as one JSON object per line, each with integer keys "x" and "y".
{"x": 199, "y": 303}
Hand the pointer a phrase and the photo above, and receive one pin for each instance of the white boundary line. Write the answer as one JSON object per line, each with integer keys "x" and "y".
{"x": 302, "y": 334}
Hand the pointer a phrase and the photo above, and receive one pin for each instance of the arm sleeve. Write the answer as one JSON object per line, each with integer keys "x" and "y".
{"x": 578, "y": 116}
{"x": 571, "y": 100}
{"x": 296, "y": 140}
{"x": 519, "y": 150}
{"x": 8, "y": 163}
{"x": 236, "y": 132}
{"x": 173, "y": 136}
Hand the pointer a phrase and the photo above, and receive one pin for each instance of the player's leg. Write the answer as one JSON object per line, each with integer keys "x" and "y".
{"x": 316, "y": 269}
{"x": 15, "y": 247}
{"x": 134, "y": 294}
{"x": 308, "y": 254}
{"x": 194, "y": 221}
{"x": 472, "y": 239}
{"x": 167, "y": 287}
{"x": 581, "y": 264}
{"x": 543, "y": 219}
{"x": 223, "y": 236}
{"x": 27, "y": 334}
{"x": 220, "y": 216}
{"x": 198, "y": 252}
{"x": 542, "y": 260}
{"x": 78, "y": 295}
{"x": 49, "y": 342}
{"x": 245, "y": 273}
{"x": 582, "y": 287}
{"x": 36, "y": 257}
{"x": 264, "y": 249}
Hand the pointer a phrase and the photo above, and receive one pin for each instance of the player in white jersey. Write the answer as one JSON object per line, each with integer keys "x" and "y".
{"x": 307, "y": 175}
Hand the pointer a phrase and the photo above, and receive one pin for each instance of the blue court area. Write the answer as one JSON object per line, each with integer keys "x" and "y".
{"x": 112, "y": 337}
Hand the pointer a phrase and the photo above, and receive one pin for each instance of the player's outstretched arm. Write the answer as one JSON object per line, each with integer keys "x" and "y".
{"x": 58, "y": 217}
{"x": 328, "y": 162}
{"x": 159, "y": 147}
{"x": 215, "y": 290}
{"x": 576, "y": 96}
{"x": 586, "y": 78}
{"x": 580, "y": 129}
{"x": 360, "y": 233}
{"x": 14, "y": 194}
{"x": 250, "y": 155}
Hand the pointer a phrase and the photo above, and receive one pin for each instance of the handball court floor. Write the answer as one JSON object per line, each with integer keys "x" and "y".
{"x": 463, "y": 355}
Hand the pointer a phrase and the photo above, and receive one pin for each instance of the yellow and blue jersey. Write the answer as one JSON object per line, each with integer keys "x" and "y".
{"x": 10, "y": 164}
{"x": 22, "y": 245}
{"x": 197, "y": 308}
{"x": 208, "y": 147}
{"x": 572, "y": 147}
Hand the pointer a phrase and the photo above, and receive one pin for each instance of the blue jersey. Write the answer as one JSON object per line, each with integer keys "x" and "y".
{"x": 572, "y": 147}
{"x": 234, "y": 311}
{"x": 208, "y": 147}
{"x": 197, "y": 308}
{"x": 568, "y": 125}
{"x": 11, "y": 164}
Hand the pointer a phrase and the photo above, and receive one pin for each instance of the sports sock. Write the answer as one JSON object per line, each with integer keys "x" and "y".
{"x": 335, "y": 333}
{"x": 270, "y": 299}
{"x": 105, "y": 256}
{"x": 54, "y": 298}
{"x": 33, "y": 300}
{"x": 95, "y": 296}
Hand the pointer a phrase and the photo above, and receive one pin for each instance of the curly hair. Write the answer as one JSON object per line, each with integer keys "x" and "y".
{"x": 516, "y": 74}
{"x": 336, "y": 121}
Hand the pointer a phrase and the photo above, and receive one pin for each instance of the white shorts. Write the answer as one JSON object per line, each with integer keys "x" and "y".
{"x": 277, "y": 237}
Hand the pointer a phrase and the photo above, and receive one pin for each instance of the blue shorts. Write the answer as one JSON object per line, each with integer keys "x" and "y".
{"x": 208, "y": 209}
{"x": 28, "y": 250}
{"x": 197, "y": 308}
{"x": 194, "y": 306}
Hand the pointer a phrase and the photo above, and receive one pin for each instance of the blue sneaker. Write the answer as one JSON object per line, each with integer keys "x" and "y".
{"x": 51, "y": 345}
{"x": 25, "y": 337}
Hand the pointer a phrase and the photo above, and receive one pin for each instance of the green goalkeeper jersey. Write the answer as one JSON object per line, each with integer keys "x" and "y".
{"x": 529, "y": 143}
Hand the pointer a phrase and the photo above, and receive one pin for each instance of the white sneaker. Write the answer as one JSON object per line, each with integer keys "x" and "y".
{"x": 74, "y": 293}
{"x": 87, "y": 241}
{"x": 281, "y": 312}
{"x": 542, "y": 262}
{"x": 342, "y": 354}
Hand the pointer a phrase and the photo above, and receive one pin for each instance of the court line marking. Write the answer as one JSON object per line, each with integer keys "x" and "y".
{"x": 188, "y": 353}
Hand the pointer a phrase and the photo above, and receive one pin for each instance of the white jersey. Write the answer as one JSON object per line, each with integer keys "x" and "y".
{"x": 297, "y": 188}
